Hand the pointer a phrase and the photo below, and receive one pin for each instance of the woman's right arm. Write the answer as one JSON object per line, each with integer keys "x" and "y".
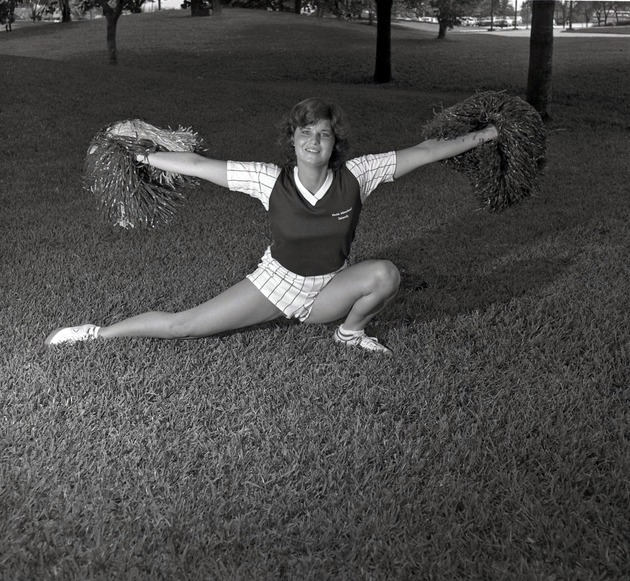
{"x": 189, "y": 164}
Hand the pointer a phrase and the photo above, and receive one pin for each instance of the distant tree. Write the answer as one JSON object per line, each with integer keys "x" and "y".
{"x": 134, "y": 6}
{"x": 541, "y": 57}
{"x": 449, "y": 13}
{"x": 51, "y": 7}
{"x": 66, "y": 12}
{"x": 7, "y": 14}
{"x": 383, "y": 65}
{"x": 112, "y": 9}
{"x": 526, "y": 12}
{"x": 587, "y": 10}
{"x": 338, "y": 8}
{"x": 37, "y": 8}
{"x": 486, "y": 7}
{"x": 620, "y": 9}
{"x": 602, "y": 11}
{"x": 570, "y": 14}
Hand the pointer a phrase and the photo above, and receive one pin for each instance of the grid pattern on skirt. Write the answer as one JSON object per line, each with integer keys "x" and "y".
{"x": 293, "y": 294}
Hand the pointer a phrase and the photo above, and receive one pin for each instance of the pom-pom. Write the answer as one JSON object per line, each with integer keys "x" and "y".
{"x": 503, "y": 171}
{"x": 128, "y": 192}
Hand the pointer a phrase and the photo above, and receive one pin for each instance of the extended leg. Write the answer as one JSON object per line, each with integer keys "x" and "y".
{"x": 240, "y": 306}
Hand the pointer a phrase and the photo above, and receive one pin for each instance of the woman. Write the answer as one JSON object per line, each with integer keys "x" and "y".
{"x": 314, "y": 204}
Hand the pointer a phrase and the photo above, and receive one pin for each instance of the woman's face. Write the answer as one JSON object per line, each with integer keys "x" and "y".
{"x": 314, "y": 143}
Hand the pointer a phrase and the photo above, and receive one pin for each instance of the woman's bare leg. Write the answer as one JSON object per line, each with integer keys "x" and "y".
{"x": 357, "y": 293}
{"x": 240, "y": 306}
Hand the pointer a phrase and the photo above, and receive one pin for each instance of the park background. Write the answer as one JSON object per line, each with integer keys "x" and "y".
{"x": 493, "y": 446}
{"x": 501, "y": 14}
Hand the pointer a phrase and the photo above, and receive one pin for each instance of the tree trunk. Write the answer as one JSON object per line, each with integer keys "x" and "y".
{"x": 383, "y": 66}
{"x": 66, "y": 14}
{"x": 112, "y": 23}
{"x": 541, "y": 57}
{"x": 112, "y": 10}
{"x": 442, "y": 26}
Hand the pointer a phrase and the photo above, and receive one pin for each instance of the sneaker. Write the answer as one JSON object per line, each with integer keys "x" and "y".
{"x": 72, "y": 334}
{"x": 363, "y": 341}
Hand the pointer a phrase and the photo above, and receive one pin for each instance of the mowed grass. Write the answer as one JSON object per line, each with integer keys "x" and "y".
{"x": 493, "y": 446}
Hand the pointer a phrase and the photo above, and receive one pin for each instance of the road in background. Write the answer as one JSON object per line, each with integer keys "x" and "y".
{"x": 558, "y": 31}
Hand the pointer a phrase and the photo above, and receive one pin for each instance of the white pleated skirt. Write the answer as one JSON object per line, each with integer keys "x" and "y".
{"x": 293, "y": 294}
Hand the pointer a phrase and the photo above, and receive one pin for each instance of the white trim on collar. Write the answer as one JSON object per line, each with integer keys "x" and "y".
{"x": 312, "y": 199}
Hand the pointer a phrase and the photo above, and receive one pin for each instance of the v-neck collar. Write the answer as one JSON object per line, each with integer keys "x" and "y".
{"x": 312, "y": 199}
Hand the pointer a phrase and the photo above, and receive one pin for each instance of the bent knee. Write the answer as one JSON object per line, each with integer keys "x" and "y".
{"x": 386, "y": 275}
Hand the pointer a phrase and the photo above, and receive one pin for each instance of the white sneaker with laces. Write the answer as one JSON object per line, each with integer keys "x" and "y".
{"x": 363, "y": 341}
{"x": 72, "y": 334}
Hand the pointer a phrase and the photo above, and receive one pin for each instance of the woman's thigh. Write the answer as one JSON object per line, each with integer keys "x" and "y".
{"x": 348, "y": 286}
{"x": 239, "y": 306}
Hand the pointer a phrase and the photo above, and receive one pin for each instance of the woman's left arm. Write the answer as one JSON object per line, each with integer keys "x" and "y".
{"x": 438, "y": 149}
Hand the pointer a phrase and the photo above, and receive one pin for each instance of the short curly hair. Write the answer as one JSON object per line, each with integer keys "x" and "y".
{"x": 309, "y": 112}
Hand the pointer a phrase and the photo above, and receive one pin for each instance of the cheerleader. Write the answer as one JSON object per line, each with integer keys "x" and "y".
{"x": 313, "y": 203}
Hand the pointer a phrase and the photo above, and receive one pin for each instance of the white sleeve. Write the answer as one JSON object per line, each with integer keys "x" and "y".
{"x": 373, "y": 170}
{"x": 253, "y": 178}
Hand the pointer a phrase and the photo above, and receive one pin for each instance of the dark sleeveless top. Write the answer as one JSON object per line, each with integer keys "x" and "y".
{"x": 311, "y": 240}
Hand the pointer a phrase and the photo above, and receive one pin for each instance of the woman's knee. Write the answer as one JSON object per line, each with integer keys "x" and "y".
{"x": 182, "y": 326}
{"x": 385, "y": 276}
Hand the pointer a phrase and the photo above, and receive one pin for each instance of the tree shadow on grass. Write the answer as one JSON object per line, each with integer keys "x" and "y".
{"x": 443, "y": 273}
{"x": 435, "y": 292}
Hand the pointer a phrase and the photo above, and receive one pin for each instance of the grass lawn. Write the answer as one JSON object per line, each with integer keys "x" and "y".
{"x": 493, "y": 446}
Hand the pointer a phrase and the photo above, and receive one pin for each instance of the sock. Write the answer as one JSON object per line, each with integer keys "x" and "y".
{"x": 95, "y": 332}
{"x": 347, "y": 334}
